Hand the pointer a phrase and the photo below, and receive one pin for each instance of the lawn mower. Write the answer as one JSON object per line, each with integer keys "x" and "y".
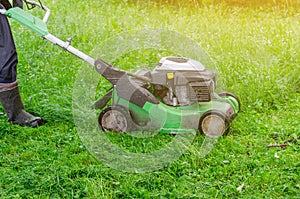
{"x": 177, "y": 96}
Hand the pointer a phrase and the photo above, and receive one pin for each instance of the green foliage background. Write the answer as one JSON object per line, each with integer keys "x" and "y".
{"x": 239, "y": 3}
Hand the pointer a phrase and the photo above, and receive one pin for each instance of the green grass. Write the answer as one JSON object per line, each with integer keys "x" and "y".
{"x": 256, "y": 52}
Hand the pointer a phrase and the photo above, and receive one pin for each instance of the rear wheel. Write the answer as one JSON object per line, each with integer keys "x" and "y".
{"x": 229, "y": 94}
{"x": 213, "y": 124}
{"x": 115, "y": 118}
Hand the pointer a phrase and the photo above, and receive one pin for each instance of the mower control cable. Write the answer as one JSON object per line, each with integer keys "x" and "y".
{"x": 32, "y": 4}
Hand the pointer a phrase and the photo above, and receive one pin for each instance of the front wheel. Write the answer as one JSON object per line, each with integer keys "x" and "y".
{"x": 213, "y": 124}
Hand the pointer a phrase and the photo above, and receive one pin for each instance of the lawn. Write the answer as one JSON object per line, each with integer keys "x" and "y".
{"x": 255, "y": 51}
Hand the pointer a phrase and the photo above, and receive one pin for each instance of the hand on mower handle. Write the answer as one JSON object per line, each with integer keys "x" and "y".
{"x": 6, "y": 4}
{"x": 18, "y": 3}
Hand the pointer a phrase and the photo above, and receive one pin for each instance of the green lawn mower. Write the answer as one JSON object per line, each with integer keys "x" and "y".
{"x": 177, "y": 96}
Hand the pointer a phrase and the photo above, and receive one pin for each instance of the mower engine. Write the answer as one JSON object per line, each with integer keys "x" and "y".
{"x": 180, "y": 81}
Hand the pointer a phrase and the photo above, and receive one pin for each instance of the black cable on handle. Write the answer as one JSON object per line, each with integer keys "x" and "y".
{"x": 41, "y": 4}
{"x": 31, "y": 6}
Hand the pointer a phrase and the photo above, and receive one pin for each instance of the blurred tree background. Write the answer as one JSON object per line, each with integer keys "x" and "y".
{"x": 240, "y": 3}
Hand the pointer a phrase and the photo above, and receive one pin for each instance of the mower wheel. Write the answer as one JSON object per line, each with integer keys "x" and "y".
{"x": 213, "y": 124}
{"x": 225, "y": 94}
{"x": 115, "y": 118}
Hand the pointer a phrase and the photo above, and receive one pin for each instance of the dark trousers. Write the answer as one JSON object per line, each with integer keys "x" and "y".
{"x": 8, "y": 54}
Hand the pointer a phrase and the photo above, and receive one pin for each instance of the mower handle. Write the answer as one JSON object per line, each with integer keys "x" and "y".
{"x": 39, "y": 4}
{"x": 33, "y": 3}
{"x": 41, "y": 29}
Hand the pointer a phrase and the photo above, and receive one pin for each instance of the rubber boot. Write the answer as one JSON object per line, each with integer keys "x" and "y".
{"x": 14, "y": 108}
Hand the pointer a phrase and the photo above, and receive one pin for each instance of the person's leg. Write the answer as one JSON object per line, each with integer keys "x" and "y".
{"x": 8, "y": 54}
{"x": 9, "y": 92}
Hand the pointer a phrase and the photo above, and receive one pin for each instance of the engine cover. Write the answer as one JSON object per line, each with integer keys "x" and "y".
{"x": 186, "y": 80}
